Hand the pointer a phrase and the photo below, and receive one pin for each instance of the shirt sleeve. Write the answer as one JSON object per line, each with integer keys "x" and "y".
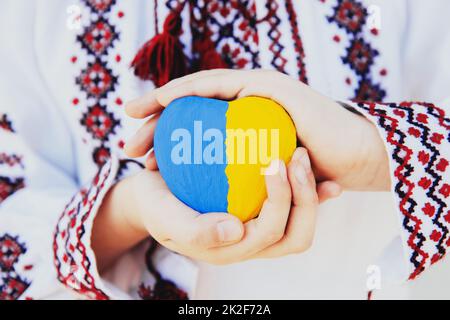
{"x": 33, "y": 195}
{"x": 38, "y": 176}
{"x": 417, "y": 139}
{"x": 46, "y": 222}
{"x": 46, "y": 212}
{"x": 45, "y": 215}
{"x": 416, "y": 136}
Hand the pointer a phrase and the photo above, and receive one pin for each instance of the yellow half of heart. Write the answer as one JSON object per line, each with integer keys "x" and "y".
{"x": 258, "y": 131}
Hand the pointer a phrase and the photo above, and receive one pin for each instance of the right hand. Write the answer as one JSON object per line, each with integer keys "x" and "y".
{"x": 142, "y": 205}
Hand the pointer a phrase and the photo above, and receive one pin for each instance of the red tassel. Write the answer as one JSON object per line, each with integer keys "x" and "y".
{"x": 162, "y": 58}
{"x": 209, "y": 58}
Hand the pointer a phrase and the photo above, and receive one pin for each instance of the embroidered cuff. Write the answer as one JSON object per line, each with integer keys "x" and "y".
{"x": 73, "y": 257}
{"x": 416, "y": 137}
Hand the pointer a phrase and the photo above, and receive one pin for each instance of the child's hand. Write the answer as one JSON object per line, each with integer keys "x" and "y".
{"x": 344, "y": 147}
{"x": 285, "y": 225}
{"x": 143, "y": 205}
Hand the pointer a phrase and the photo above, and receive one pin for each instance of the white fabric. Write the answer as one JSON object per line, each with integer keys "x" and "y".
{"x": 37, "y": 86}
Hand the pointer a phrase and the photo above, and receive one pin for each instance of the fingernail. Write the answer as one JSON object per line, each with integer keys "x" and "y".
{"x": 305, "y": 161}
{"x": 336, "y": 190}
{"x": 229, "y": 231}
{"x": 300, "y": 175}
{"x": 272, "y": 169}
{"x": 297, "y": 154}
{"x": 282, "y": 170}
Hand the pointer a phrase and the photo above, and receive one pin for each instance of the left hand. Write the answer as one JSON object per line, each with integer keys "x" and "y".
{"x": 286, "y": 223}
{"x": 142, "y": 205}
{"x": 344, "y": 147}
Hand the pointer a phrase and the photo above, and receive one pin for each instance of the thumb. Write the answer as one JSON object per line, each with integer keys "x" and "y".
{"x": 187, "y": 227}
{"x": 328, "y": 190}
{"x": 211, "y": 230}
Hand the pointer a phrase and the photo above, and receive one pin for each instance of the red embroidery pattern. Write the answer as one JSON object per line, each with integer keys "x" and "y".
{"x": 12, "y": 285}
{"x": 274, "y": 34}
{"x": 297, "y": 41}
{"x": 98, "y": 37}
{"x": 419, "y": 167}
{"x": 101, "y": 154}
{"x": 5, "y": 123}
{"x": 360, "y": 56}
{"x": 100, "y": 6}
{"x": 163, "y": 289}
{"x": 96, "y": 80}
{"x": 11, "y": 160}
{"x": 99, "y": 123}
{"x": 351, "y": 16}
{"x": 71, "y": 258}
{"x": 9, "y": 186}
{"x": 231, "y": 25}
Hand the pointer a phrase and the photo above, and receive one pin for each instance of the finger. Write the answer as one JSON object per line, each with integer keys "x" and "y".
{"x": 257, "y": 84}
{"x": 275, "y": 211}
{"x": 142, "y": 141}
{"x": 213, "y": 230}
{"x": 210, "y": 232}
{"x": 150, "y": 162}
{"x": 269, "y": 227}
{"x": 186, "y": 227}
{"x": 202, "y": 232}
{"x": 328, "y": 190}
{"x": 143, "y": 106}
{"x": 302, "y": 180}
{"x": 224, "y": 85}
{"x": 148, "y": 104}
{"x": 195, "y": 76}
{"x": 301, "y": 224}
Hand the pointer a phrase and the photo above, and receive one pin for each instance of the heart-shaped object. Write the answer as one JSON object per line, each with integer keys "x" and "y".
{"x": 212, "y": 154}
